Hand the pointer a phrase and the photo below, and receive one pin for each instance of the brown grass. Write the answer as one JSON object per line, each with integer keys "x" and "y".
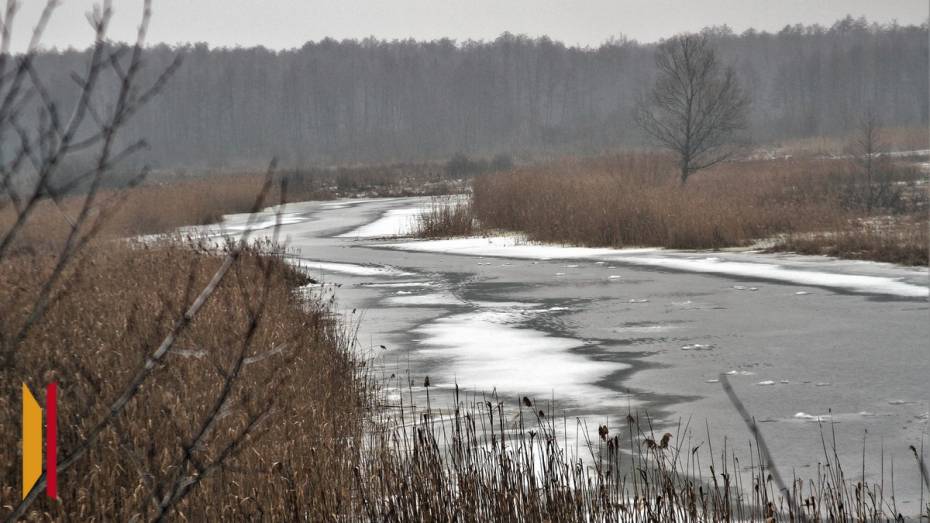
{"x": 171, "y": 200}
{"x": 119, "y": 301}
{"x": 897, "y": 240}
{"x": 484, "y": 459}
{"x": 445, "y": 217}
{"x": 329, "y": 449}
{"x": 635, "y": 200}
{"x": 892, "y": 138}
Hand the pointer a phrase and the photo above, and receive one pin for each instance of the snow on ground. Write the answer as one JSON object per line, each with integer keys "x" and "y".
{"x": 767, "y": 271}
{"x": 860, "y": 278}
{"x": 395, "y": 222}
{"x": 513, "y": 246}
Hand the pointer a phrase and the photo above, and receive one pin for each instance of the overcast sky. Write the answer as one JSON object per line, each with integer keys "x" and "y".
{"x": 283, "y": 24}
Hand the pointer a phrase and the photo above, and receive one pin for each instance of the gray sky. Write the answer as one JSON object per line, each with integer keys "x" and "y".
{"x": 281, "y": 24}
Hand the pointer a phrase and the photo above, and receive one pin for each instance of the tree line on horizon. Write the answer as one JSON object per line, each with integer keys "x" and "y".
{"x": 335, "y": 102}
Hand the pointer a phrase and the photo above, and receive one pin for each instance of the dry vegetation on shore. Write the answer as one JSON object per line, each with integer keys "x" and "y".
{"x": 303, "y": 433}
{"x": 296, "y": 402}
{"x": 172, "y": 201}
{"x": 813, "y": 205}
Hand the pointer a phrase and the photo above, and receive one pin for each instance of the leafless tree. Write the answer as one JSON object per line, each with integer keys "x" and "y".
{"x": 696, "y": 106}
{"x": 866, "y": 150}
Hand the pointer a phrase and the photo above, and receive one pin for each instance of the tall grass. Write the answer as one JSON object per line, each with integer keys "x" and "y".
{"x": 117, "y": 304}
{"x": 635, "y": 200}
{"x": 484, "y": 459}
{"x": 445, "y": 216}
{"x": 333, "y": 447}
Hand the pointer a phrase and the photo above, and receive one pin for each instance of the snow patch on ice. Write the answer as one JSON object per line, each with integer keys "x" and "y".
{"x": 395, "y": 222}
{"x": 488, "y": 349}
{"x": 438, "y": 299}
{"x": 401, "y": 284}
{"x": 829, "y": 276}
{"x": 697, "y": 346}
{"x": 314, "y": 267}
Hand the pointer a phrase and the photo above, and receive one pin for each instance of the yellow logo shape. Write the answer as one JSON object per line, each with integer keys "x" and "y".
{"x": 32, "y": 440}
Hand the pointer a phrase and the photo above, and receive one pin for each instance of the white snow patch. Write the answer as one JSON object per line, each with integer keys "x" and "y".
{"x": 401, "y": 284}
{"x": 509, "y": 247}
{"x": 395, "y": 222}
{"x": 438, "y": 299}
{"x": 349, "y": 268}
{"x": 262, "y": 222}
{"x": 517, "y": 247}
{"x": 697, "y": 346}
{"x": 487, "y": 349}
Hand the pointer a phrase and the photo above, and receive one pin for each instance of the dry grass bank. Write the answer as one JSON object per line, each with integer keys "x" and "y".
{"x": 145, "y": 209}
{"x": 172, "y": 200}
{"x": 893, "y": 138}
{"x": 445, "y": 217}
{"x": 635, "y": 200}
{"x": 118, "y": 303}
{"x": 324, "y": 445}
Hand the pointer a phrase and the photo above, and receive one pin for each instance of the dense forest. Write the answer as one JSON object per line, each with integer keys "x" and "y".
{"x": 371, "y": 100}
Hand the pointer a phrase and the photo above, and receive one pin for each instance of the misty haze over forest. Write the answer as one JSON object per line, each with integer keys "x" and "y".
{"x": 373, "y": 101}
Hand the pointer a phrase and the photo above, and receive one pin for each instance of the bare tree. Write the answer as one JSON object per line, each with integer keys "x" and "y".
{"x": 865, "y": 148}
{"x": 696, "y": 105}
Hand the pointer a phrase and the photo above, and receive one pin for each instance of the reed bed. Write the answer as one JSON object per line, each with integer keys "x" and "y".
{"x": 335, "y": 443}
{"x": 444, "y": 217}
{"x": 635, "y": 200}
{"x": 296, "y": 377}
{"x": 483, "y": 459}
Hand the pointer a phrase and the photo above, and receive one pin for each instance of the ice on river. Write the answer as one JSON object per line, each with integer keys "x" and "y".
{"x": 865, "y": 277}
{"x": 395, "y": 222}
{"x": 489, "y": 349}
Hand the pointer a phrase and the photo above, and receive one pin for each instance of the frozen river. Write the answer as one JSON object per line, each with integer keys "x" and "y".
{"x": 604, "y": 330}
